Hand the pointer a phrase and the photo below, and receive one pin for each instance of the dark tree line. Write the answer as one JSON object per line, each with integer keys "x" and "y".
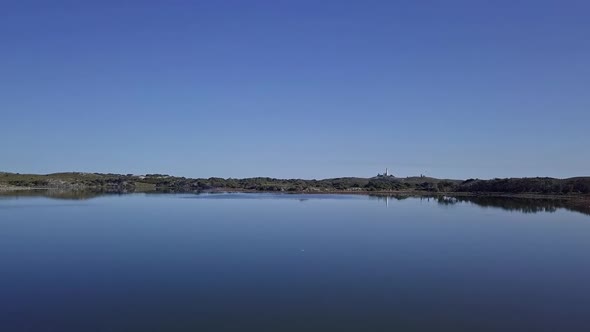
{"x": 528, "y": 185}
{"x": 385, "y": 184}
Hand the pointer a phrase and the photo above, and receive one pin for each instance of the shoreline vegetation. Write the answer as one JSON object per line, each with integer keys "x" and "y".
{"x": 522, "y": 194}
{"x": 512, "y": 187}
{"x": 524, "y": 202}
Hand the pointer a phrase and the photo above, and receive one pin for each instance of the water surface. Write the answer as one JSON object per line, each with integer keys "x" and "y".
{"x": 268, "y": 262}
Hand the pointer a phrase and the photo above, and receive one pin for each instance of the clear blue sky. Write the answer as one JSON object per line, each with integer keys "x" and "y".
{"x": 309, "y": 89}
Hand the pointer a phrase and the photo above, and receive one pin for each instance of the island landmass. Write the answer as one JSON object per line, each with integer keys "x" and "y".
{"x": 383, "y": 183}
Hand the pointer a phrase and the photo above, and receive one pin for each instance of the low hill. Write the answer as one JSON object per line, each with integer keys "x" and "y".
{"x": 129, "y": 182}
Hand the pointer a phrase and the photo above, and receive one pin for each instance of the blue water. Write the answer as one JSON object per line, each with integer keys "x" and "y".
{"x": 265, "y": 262}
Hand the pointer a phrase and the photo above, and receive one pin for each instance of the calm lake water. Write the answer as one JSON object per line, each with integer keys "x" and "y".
{"x": 264, "y": 262}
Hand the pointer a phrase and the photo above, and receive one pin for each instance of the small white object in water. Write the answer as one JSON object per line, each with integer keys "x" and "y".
{"x": 302, "y": 250}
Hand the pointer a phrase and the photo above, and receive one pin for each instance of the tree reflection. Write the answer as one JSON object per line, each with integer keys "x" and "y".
{"x": 513, "y": 204}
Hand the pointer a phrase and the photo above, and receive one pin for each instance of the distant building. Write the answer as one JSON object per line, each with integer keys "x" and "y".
{"x": 386, "y": 174}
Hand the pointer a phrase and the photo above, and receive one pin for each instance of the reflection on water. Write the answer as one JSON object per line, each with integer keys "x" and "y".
{"x": 523, "y": 205}
{"x": 59, "y": 193}
{"x": 514, "y": 204}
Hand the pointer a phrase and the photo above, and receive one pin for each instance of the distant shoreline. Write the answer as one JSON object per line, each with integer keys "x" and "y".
{"x": 408, "y": 193}
{"x": 571, "y": 188}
